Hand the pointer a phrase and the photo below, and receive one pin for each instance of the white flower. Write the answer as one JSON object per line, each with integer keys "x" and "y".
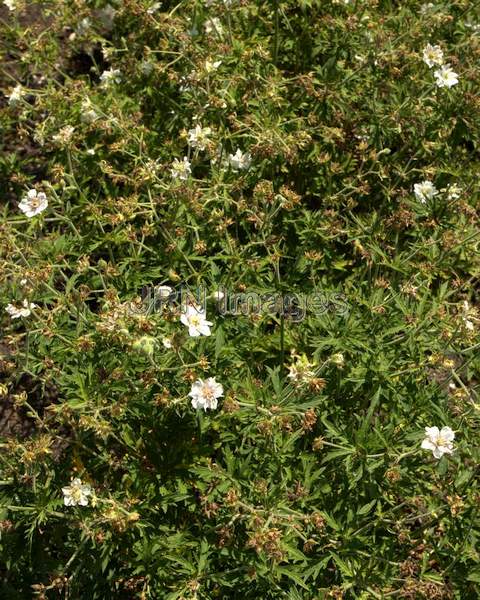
{"x": 111, "y": 76}
{"x": 181, "y": 169}
{"x": 469, "y": 316}
{"x": 34, "y": 203}
{"x": 76, "y": 494}
{"x": 204, "y": 393}
{"x": 39, "y": 135}
{"x": 439, "y": 442}
{"x": 213, "y": 25}
{"x": 184, "y": 87}
{"x": 16, "y": 95}
{"x": 24, "y": 311}
{"x": 198, "y": 137}
{"x": 10, "y": 4}
{"x": 427, "y": 7}
{"x": 475, "y": 27}
{"x": 88, "y": 114}
{"x": 446, "y": 77}
{"x": 425, "y": 191}
{"x": 64, "y": 136}
{"x": 453, "y": 191}
{"x": 212, "y": 66}
{"x": 218, "y": 295}
{"x": 301, "y": 370}
{"x": 432, "y": 55}
{"x": 153, "y": 9}
{"x": 91, "y": 152}
{"x": 163, "y": 294}
{"x": 167, "y": 342}
{"x": 240, "y": 161}
{"x": 194, "y": 319}
{"x": 163, "y": 291}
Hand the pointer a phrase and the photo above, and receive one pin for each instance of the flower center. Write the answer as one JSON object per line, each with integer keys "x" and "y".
{"x": 76, "y": 494}
{"x": 207, "y": 393}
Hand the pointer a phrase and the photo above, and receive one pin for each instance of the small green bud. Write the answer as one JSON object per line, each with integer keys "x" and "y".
{"x": 145, "y": 344}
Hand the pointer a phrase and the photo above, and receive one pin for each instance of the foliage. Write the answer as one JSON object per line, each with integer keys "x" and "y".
{"x": 295, "y": 487}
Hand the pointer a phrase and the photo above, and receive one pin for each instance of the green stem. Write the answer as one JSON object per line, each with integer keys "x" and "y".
{"x": 282, "y": 345}
{"x": 277, "y": 24}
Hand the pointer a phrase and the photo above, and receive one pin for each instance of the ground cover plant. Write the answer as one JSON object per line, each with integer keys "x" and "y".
{"x": 239, "y": 283}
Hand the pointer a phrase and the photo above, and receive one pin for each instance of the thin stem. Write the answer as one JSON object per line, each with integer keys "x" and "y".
{"x": 277, "y": 25}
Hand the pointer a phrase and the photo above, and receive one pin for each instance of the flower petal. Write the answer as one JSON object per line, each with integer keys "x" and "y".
{"x": 447, "y": 434}
{"x": 428, "y": 444}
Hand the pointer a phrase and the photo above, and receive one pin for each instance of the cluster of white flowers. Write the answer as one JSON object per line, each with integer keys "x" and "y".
{"x": 426, "y": 190}
{"x": 110, "y": 77}
{"x": 445, "y": 76}
{"x": 181, "y": 169}
{"x": 24, "y": 310}
{"x": 195, "y": 319}
{"x": 77, "y": 493}
{"x": 33, "y": 203}
{"x": 205, "y": 393}
{"x": 198, "y": 136}
{"x": 453, "y": 191}
{"x": 440, "y": 442}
